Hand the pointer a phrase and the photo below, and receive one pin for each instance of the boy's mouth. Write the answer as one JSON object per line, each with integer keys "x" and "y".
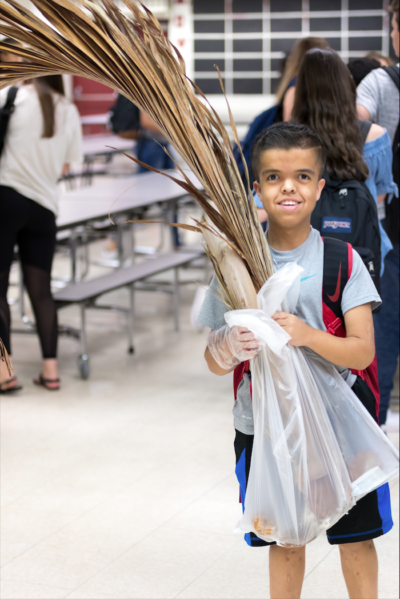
{"x": 289, "y": 205}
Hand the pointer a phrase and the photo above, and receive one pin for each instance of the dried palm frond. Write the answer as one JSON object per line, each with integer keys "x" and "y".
{"x": 132, "y": 55}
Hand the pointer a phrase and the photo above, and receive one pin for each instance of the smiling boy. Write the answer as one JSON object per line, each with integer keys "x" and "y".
{"x": 288, "y": 161}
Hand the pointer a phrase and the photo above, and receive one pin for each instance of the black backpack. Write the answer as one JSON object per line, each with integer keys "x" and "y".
{"x": 392, "y": 209}
{"x": 347, "y": 211}
{"x": 5, "y": 114}
{"x": 125, "y": 116}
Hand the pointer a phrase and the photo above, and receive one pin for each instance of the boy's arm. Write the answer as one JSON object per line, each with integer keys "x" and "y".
{"x": 356, "y": 350}
{"x": 213, "y": 365}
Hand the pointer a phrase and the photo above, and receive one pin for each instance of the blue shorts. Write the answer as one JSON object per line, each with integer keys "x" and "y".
{"x": 371, "y": 517}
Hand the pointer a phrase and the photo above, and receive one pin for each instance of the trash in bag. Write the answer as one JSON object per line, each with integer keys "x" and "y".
{"x": 308, "y": 466}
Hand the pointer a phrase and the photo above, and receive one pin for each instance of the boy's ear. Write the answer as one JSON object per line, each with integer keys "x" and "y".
{"x": 257, "y": 188}
{"x": 320, "y": 187}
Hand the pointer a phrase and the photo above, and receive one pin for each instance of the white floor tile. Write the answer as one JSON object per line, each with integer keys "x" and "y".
{"x": 10, "y": 589}
{"x": 161, "y": 565}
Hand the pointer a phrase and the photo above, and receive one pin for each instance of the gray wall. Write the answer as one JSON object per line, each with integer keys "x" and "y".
{"x": 248, "y": 39}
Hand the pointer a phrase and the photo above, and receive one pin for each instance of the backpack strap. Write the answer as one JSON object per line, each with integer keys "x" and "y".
{"x": 238, "y": 374}
{"x": 394, "y": 74}
{"x": 338, "y": 264}
{"x": 365, "y": 126}
{"x": 12, "y": 94}
{"x": 6, "y": 112}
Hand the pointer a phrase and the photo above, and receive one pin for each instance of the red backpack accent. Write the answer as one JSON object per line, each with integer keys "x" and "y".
{"x": 338, "y": 265}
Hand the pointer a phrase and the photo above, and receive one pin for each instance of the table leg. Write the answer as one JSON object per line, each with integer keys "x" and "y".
{"x": 83, "y": 358}
{"x": 120, "y": 244}
{"x": 176, "y": 298}
{"x": 73, "y": 247}
{"x": 131, "y": 316}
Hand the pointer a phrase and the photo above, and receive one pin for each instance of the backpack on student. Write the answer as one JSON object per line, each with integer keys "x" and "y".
{"x": 338, "y": 263}
{"x": 262, "y": 121}
{"x": 347, "y": 211}
{"x": 124, "y": 115}
{"x": 5, "y": 114}
{"x": 392, "y": 209}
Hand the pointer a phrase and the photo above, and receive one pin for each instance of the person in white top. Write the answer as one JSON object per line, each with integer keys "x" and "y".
{"x": 43, "y": 137}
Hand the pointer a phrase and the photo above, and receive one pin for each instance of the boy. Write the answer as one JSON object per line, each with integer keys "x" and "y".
{"x": 288, "y": 161}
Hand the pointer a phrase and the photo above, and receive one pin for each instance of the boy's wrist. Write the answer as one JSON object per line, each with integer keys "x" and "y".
{"x": 310, "y": 336}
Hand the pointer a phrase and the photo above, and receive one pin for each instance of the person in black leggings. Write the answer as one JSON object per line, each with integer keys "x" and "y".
{"x": 43, "y": 138}
{"x": 32, "y": 227}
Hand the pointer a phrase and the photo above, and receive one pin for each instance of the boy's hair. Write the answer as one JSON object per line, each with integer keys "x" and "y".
{"x": 286, "y": 136}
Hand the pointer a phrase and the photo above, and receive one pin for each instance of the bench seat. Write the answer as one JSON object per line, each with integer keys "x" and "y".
{"x": 89, "y": 290}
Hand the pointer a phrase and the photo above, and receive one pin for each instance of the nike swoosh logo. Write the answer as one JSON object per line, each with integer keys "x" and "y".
{"x": 305, "y": 278}
{"x": 334, "y": 298}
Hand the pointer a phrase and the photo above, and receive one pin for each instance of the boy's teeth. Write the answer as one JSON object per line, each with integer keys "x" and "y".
{"x": 289, "y": 203}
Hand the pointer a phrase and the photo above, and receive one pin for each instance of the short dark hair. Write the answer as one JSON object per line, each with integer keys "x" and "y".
{"x": 360, "y": 68}
{"x": 285, "y": 136}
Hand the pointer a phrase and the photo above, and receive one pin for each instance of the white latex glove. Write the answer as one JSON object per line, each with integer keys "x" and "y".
{"x": 230, "y": 346}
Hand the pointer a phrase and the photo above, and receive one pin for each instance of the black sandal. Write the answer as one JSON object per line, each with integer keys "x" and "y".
{"x": 10, "y": 389}
{"x": 42, "y": 382}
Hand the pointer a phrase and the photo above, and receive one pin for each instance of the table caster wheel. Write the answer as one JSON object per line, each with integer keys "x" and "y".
{"x": 84, "y": 366}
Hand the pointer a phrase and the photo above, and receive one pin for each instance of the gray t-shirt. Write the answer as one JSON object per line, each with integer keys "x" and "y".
{"x": 359, "y": 290}
{"x": 378, "y": 93}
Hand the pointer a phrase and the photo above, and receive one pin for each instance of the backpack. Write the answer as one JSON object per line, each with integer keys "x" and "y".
{"x": 392, "y": 209}
{"x": 125, "y": 116}
{"x": 262, "y": 121}
{"x": 5, "y": 114}
{"x": 347, "y": 211}
{"x": 338, "y": 263}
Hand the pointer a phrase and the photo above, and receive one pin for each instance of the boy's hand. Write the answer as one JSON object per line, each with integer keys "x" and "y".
{"x": 230, "y": 346}
{"x": 296, "y": 328}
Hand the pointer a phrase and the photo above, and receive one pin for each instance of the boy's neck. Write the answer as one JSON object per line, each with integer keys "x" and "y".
{"x": 284, "y": 239}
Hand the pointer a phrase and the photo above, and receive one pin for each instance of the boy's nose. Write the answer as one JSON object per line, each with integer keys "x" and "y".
{"x": 288, "y": 186}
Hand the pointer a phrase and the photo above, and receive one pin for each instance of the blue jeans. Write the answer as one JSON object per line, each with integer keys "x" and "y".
{"x": 150, "y": 152}
{"x": 386, "y": 324}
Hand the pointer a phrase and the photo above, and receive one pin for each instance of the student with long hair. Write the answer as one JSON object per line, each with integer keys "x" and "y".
{"x": 326, "y": 101}
{"x": 287, "y": 87}
{"x": 43, "y": 136}
{"x": 284, "y": 102}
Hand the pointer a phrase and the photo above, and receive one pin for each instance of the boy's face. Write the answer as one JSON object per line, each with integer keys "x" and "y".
{"x": 289, "y": 185}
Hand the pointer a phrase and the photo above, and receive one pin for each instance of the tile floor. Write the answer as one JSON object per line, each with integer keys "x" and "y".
{"x": 123, "y": 486}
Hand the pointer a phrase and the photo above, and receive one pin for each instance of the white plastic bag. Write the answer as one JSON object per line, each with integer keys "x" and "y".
{"x": 316, "y": 449}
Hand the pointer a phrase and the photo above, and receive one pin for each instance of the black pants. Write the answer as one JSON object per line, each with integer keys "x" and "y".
{"x": 33, "y": 228}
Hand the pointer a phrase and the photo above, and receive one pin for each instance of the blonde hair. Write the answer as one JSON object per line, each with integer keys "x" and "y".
{"x": 292, "y": 68}
{"x": 379, "y": 57}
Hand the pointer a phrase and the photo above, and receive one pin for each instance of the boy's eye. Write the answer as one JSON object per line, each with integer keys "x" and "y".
{"x": 272, "y": 177}
{"x": 304, "y": 177}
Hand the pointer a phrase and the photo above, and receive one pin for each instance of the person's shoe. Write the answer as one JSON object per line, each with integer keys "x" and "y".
{"x": 47, "y": 383}
{"x": 10, "y": 386}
